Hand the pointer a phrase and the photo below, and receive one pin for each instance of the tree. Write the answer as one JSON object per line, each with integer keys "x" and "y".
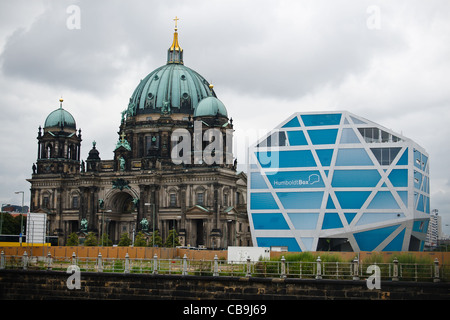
{"x": 10, "y": 224}
{"x": 140, "y": 240}
{"x": 105, "y": 240}
{"x": 72, "y": 240}
{"x": 172, "y": 240}
{"x": 91, "y": 240}
{"x": 125, "y": 240}
{"x": 158, "y": 240}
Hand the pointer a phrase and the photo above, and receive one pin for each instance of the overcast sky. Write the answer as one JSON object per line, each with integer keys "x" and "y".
{"x": 387, "y": 61}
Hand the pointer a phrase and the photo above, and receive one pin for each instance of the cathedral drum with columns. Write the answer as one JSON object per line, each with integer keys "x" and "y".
{"x": 173, "y": 167}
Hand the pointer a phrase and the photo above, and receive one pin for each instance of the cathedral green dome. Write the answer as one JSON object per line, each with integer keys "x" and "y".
{"x": 60, "y": 118}
{"x": 171, "y": 88}
{"x": 210, "y": 107}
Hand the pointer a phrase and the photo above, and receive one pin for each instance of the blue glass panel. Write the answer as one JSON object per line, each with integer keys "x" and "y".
{"x": 420, "y": 203}
{"x": 349, "y": 136}
{"x": 417, "y": 159}
{"x": 355, "y": 178}
{"x": 321, "y": 119}
{"x": 269, "y": 221}
{"x": 331, "y": 221}
{"x": 291, "y": 243}
{"x": 357, "y": 121}
{"x": 349, "y": 216}
{"x": 301, "y": 200}
{"x": 397, "y": 243}
{"x": 372, "y": 217}
{"x": 308, "y": 242}
{"x": 424, "y": 184}
{"x": 296, "y": 138}
{"x": 404, "y": 196}
{"x": 427, "y": 205}
{"x": 330, "y": 203}
{"x": 399, "y": 177}
{"x": 292, "y": 123}
{"x": 383, "y": 200}
{"x": 424, "y": 162}
{"x": 296, "y": 179}
{"x": 327, "y": 136}
{"x": 353, "y": 157}
{"x": 420, "y": 226}
{"x": 325, "y": 156}
{"x": 369, "y": 240}
{"x": 286, "y": 159}
{"x": 417, "y": 179}
{"x": 352, "y": 199}
{"x": 404, "y": 158}
{"x": 304, "y": 221}
{"x": 262, "y": 201}
{"x": 257, "y": 181}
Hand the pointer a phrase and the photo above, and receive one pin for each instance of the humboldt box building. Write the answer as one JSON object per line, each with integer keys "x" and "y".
{"x": 336, "y": 181}
{"x": 142, "y": 188}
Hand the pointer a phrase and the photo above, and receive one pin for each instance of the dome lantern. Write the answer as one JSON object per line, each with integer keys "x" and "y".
{"x": 175, "y": 52}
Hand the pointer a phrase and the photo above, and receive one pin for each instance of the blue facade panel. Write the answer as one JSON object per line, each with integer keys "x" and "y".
{"x": 339, "y": 176}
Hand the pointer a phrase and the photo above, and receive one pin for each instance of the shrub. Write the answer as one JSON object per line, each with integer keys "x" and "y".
{"x": 125, "y": 240}
{"x": 72, "y": 240}
{"x": 91, "y": 240}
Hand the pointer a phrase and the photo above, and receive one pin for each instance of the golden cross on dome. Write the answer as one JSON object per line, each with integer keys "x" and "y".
{"x": 122, "y": 136}
{"x": 176, "y": 22}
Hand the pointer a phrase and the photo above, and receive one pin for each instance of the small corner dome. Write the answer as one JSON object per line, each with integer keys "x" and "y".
{"x": 60, "y": 118}
{"x": 210, "y": 107}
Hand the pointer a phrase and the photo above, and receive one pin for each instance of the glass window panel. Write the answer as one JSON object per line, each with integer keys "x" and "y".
{"x": 257, "y": 181}
{"x": 301, "y": 200}
{"x": 269, "y": 221}
{"x": 292, "y": 123}
{"x": 349, "y": 136}
{"x": 173, "y": 199}
{"x": 325, "y": 156}
{"x": 399, "y": 177}
{"x": 262, "y": 201}
{"x": 286, "y": 159}
{"x": 304, "y": 221}
{"x": 383, "y": 200}
{"x": 353, "y": 157}
{"x": 352, "y": 199}
{"x": 276, "y": 139}
{"x": 321, "y": 119}
{"x": 417, "y": 159}
{"x": 355, "y": 178}
{"x": 296, "y": 138}
{"x": 200, "y": 199}
{"x": 331, "y": 221}
{"x": 327, "y": 136}
{"x": 369, "y": 240}
{"x": 384, "y": 136}
{"x": 373, "y": 217}
{"x": 290, "y": 243}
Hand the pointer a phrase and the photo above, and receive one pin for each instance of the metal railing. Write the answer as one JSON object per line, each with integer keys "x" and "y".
{"x": 318, "y": 269}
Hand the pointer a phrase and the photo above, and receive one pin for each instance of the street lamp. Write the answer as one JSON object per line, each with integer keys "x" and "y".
{"x": 21, "y": 217}
{"x": 153, "y": 219}
{"x": 103, "y": 223}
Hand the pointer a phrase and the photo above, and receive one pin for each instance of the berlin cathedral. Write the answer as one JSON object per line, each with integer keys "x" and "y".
{"x": 151, "y": 184}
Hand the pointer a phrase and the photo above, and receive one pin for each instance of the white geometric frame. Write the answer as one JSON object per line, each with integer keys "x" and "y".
{"x": 303, "y": 237}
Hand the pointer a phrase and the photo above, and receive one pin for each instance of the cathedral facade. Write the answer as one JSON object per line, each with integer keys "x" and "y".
{"x": 173, "y": 167}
